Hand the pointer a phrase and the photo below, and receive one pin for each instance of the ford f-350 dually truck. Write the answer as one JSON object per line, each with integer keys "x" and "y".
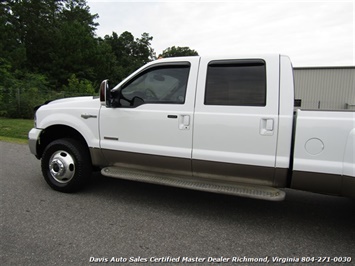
{"x": 217, "y": 124}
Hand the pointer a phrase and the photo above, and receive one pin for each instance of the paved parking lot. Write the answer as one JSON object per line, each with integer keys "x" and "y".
{"x": 139, "y": 224}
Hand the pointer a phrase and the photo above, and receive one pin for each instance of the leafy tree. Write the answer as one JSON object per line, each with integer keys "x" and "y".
{"x": 79, "y": 87}
{"x": 144, "y": 51}
{"x": 106, "y": 62}
{"x": 33, "y": 23}
{"x": 6, "y": 80}
{"x": 77, "y": 10}
{"x": 20, "y": 91}
{"x": 178, "y": 51}
{"x": 10, "y": 48}
{"x": 75, "y": 46}
{"x": 73, "y": 53}
{"x": 48, "y": 49}
{"x": 130, "y": 53}
{"x": 31, "y": 90}
{"x": 55, "y": 37}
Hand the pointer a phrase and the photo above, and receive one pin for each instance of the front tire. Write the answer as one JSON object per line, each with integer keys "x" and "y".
{"x": 66, "y": 165}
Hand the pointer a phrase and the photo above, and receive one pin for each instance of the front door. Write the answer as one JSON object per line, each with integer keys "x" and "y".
{"x": 152, "y": 128}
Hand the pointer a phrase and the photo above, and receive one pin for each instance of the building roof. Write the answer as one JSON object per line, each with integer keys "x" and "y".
{"x": 325, "y": 67}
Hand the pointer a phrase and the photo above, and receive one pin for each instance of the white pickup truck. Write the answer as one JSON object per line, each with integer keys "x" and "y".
{"x": 223, "y": 125}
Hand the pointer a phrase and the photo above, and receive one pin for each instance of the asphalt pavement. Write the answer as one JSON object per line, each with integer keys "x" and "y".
{"x": 120, "y": 222}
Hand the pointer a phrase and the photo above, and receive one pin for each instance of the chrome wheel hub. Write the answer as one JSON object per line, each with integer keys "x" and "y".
{"x": 62, "y": 167}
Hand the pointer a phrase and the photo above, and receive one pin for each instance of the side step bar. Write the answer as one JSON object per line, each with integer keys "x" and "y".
{"x": 241, "y": 190}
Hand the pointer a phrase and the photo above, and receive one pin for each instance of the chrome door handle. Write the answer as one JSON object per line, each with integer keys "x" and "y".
{"x": 267, "y": 126}
{"x": 184, "y": 122}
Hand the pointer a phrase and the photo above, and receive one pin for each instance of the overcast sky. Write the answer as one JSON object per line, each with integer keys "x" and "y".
{"x": 312, "y": 33}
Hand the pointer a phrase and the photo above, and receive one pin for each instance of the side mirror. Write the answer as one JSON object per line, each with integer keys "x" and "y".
{"x": 105, "y": 94}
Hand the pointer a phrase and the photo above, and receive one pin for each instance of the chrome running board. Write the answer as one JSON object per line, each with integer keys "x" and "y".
{"x": 235, "y": 189}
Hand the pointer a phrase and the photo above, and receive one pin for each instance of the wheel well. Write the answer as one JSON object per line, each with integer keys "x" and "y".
{"x": 58, "y": 132}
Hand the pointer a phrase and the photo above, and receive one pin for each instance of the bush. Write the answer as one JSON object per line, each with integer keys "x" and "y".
{"x": 26, "y": 91}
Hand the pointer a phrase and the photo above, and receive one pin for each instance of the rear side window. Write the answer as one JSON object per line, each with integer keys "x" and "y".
{"x": 236, "y": 82}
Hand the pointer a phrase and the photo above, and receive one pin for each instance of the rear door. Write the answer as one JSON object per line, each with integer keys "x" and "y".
{"x": 236, "y": 119}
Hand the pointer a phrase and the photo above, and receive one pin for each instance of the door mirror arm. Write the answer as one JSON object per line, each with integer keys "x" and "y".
{"x": 116, "y": 98}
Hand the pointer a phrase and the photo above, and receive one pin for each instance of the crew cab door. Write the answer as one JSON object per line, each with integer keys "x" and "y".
{"x": 236, "y": 119}
{"x": 152, "y": 127}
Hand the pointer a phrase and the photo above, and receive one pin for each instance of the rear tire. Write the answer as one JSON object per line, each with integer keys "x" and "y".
{"x": 66, "y": 165}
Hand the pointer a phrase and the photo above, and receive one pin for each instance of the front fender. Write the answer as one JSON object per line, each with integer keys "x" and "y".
{"x": 86, "y": 126}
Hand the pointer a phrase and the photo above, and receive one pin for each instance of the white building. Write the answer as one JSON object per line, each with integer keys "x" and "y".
{"x": 325, "y": 88}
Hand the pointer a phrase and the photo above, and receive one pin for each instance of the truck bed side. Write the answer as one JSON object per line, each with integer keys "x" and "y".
{"x": 324, "y": 159}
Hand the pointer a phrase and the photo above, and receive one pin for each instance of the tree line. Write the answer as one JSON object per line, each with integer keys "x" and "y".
{"x": 49, "y": 49}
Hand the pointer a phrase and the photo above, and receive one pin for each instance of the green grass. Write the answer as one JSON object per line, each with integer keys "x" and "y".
{"x": 15, "y": 130}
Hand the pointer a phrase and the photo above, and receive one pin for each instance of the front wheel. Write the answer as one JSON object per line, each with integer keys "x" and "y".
{"x": 66, "y": 165}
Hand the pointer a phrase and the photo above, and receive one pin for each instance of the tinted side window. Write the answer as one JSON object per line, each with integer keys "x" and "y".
{"x": 236, "y": 82}
{"x": 163, "y": 84}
